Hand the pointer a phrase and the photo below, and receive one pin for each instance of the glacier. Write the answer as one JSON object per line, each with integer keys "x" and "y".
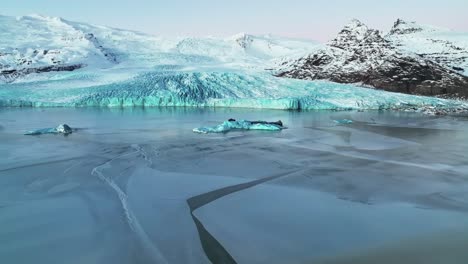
{"x": 121, "y": 68}
{"x": 208, "y": 89}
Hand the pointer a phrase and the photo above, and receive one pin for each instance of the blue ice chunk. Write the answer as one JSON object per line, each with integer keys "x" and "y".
{"x": 343, "y": 121}
{"x": 227, "y": 126}
{"x": 60, "y": 129}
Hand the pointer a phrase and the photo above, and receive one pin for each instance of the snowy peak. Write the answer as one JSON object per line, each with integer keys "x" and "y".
{"x": 40, "y": 17}
{"x": 361, "y": 55}
{"x": 356, "y": 27}
{"x": 351, "y": 35}
{"x": 357, "y": 35}
{"x": 440, "y": 45}
{"x": 268, "y": 46}
{"x": 401, "y": 27}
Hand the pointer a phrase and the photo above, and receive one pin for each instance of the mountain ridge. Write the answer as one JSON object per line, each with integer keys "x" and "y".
{"x": 363, "y": 55}
{"x": 57, "y": 41}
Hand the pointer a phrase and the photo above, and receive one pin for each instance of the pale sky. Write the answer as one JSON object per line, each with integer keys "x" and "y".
{"x": 312, "y": 19}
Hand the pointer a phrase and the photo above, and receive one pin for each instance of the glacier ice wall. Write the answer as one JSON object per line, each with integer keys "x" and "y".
{"x": 206, "y": 89}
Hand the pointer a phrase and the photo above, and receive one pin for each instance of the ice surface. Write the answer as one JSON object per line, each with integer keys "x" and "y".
{"x": 274, "y": 220}
{"x": 122, "y": 194}
{"x": 227, "y": 126}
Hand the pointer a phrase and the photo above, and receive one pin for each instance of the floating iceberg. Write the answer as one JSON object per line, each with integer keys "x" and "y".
{"x": 343, "y": 121}
{"x": 60, "y": 129}
{"x": 227, "y": 126}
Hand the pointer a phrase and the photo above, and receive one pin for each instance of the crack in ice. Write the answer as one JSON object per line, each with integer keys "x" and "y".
{"x": 212, "y": 247}
{"x": 132, "y": 221}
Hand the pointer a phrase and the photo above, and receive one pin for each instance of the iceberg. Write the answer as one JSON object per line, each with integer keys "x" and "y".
{"x": 343, "y": 122}
{"x": 227, "y": 126}
{"x": 60, "y": 129}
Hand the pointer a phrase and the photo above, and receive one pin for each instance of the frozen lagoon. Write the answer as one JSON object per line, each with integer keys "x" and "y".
{"x": 138, "y": 186}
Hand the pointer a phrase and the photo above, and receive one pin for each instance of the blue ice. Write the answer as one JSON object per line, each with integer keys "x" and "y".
{"x": 60, "y": 129}
{"x": 227, "y": 126}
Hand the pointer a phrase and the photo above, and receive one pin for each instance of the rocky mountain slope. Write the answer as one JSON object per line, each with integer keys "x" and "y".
{"x": 362, "y": 55}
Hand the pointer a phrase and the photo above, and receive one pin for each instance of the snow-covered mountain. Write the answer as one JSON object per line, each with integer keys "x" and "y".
{"x": 392, "y": 62}
{"x": 47, "y": 61}
{"x": 441, "y": 45}
{"x": 36, "y": 44}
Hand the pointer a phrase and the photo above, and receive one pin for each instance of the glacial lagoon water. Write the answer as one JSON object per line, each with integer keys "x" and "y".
{"x": 136, "y": 185}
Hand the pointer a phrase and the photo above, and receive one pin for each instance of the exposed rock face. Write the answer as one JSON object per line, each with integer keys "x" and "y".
{"x": 12, "y": 75}
{"x": 361, "y": 55}
{"x": 402, "y": 27}
{"x": 110, "y": 56}
{"x": 356, "y": 35}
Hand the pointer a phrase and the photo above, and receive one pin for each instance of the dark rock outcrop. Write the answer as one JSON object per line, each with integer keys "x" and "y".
{"x": 361, "y": 55}
{"x": 110, "y": 56}
{"x": 13, "y": 74}
{"x": 402, "y": 27}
